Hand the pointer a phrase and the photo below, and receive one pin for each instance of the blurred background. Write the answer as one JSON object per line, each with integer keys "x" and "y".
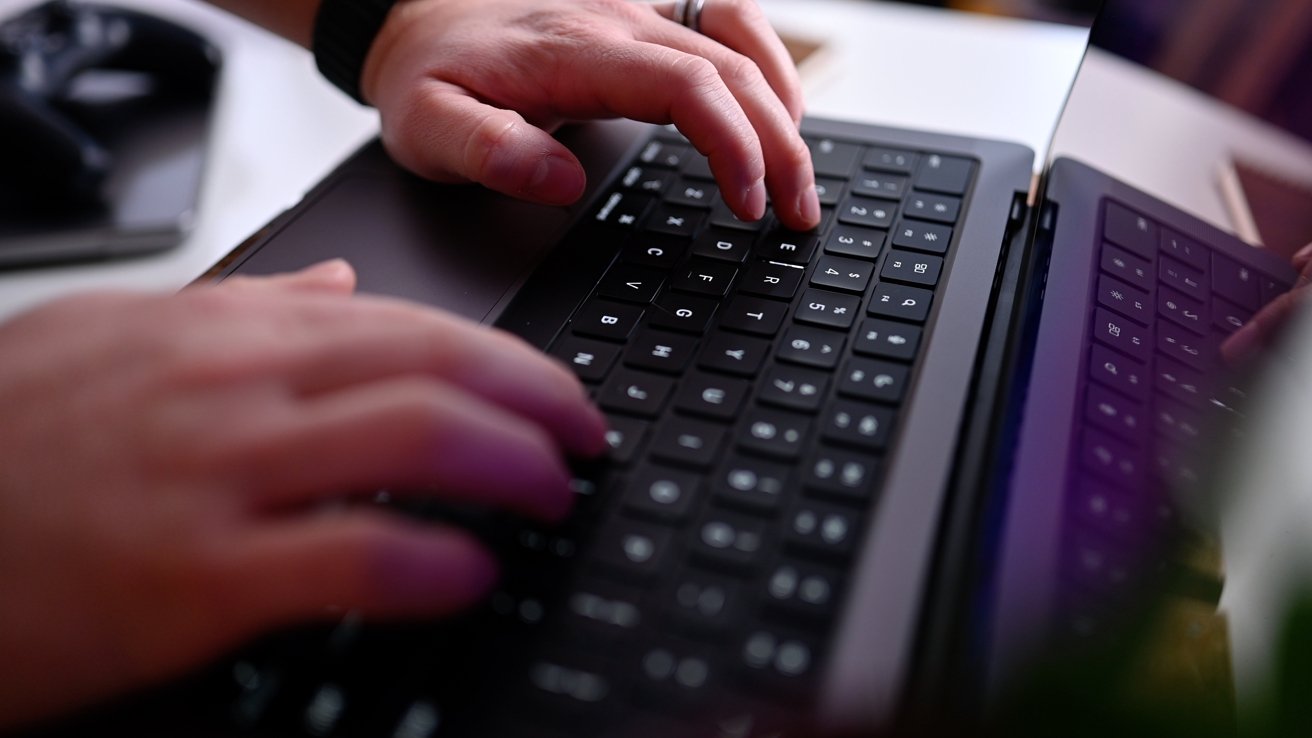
{"x": 1076, "y": 12}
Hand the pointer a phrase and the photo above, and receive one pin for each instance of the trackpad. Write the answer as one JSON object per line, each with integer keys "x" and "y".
{"x": 457, "y": 247}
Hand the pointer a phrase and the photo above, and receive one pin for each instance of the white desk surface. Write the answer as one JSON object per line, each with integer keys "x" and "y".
{"x": 280, "y": 128}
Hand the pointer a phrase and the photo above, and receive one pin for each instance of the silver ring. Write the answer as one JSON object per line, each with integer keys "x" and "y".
{"x": 689, "y": 13}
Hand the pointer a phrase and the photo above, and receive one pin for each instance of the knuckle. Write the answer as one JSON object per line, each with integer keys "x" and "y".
{"x": 486, "y": 136}
{"x": 741, "y": 70}
{"x": 697, "y": 73}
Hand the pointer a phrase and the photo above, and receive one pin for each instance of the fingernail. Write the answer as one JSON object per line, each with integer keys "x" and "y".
{"x": 808, "y": 205}
{"x": 556, "y": 181}
{"x": 335, "y": 268}
{"x": 1303, "y": 254}
{"x": 755, "y": 199}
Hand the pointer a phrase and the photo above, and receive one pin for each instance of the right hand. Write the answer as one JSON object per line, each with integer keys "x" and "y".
{"x": 468, "y": 89}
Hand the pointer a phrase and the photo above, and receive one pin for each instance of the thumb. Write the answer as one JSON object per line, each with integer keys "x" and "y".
{"x": 445, "y": 134}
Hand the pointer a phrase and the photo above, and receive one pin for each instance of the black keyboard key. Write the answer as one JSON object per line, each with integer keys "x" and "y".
{"x": 666, "y": 154}
{"x": 1121, "y": 334}
{"x": 624, "y": 209}
{"x": 835, "y": 272}
{"x": 921, "y": 236}
{"x": 773, "y": 433}
{"x": 776, "y": 281}
{"x": 793, "y": 388}
{"x": 688, "y": 442}
{"x": 868, "y": 212}
{"x": 1186, "y": 250}
{"x": 829, "y": 309}
{"x": 811, "y": 347}
{"x": 862, "y": 243}
{"x": 1271, "y": 288}
{"x": 680, "y": 312}
{"x": 1177, "y": 422}
{"x": 712, "y": 396}
{"x": 647, "y": 180}
{"x": 857, "y": 424}
{"x": 901, "y": 302}
{"x": 829, "y": 190}
{"x": 868, "y": 379}
{"x": 630, "y": 284}
{"x": 842, "y": 474}
{"x": 833, "y": 158}
{"x": 633, "y": 549}
{"x": 1114, "y": 460}
{"x": 1180, "y": 382}
{"x": 732, "y": 541}
{"x": 636, "y": 393}
{"x": 804, "y": 590}
{"x": 660, "y": 351}
{"x": 1184, "y": 346}
{"x": 704, "y": 277}
{"x": 1184, "y": 311}
{"x": 705, "y": 604}
{"x": 946, "y": 174}
{"x": 664, "y": 494}
{"x": 675, "y": 676}
{"x": 938, "y": 208}
{"x": 741, "y": 355}
{"x": 1229, "y": 318}
{"x": 570, "y": 688}
{"x": 608, "y": 320}
{"x": 1117, "y": 414}
{"x": 754, "y": 315}
{"x": 693, "y": 193}
{"x": 821, "y": 530}
{"x": 1235, "y": 282}
{"x": 625, "y": 437}
{"x": 787, "y": 246}
{"x": 778, "y": 661}
{"x": 589, "y": 360}
{"x": 724, "y": 245}
{"x": 917, "y": 269}
{"x": 1186, "y": 279}
{"x": 675, "y": 220}
{"x": 888, "y": 340}
{"x": 654, "y": 251}
{"x": 891, "y": 160}
{"x": 1130, "y": 230}
{"x": 1124, "y": 299}
{"x": 1121, "y": 373}
{"x": 879, "y": 184}
{"x": 752, "y": 484}
{"x": 602, "y": 609}
{"x": 1127, "y": 267}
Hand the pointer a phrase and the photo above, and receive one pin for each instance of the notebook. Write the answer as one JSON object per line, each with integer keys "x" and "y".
{"x": 854, "y": 472}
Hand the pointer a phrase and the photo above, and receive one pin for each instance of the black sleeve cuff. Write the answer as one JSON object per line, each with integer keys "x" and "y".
{"x": 344, "y": 30}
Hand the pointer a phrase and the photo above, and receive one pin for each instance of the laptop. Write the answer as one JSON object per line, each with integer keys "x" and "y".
{"x": 858, "y": 473}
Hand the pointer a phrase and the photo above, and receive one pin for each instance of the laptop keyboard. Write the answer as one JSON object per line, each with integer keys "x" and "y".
{"x": 1164, "y": 303}
{"x": 752, "y": 377}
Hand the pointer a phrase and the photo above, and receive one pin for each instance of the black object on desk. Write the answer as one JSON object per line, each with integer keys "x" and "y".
{"x": 104, "y": 123}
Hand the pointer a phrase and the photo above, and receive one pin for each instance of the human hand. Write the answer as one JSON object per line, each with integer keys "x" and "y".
{"x": 162, "y": 457}
{"x": 1261, "y": 330}
{"x": 468, "y": 89}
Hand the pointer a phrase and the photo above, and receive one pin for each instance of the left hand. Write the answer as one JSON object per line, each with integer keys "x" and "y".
{"x": 468, "y": 89}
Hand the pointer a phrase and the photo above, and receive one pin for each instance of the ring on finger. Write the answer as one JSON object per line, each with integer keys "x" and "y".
{"x": 689, "y": 13}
